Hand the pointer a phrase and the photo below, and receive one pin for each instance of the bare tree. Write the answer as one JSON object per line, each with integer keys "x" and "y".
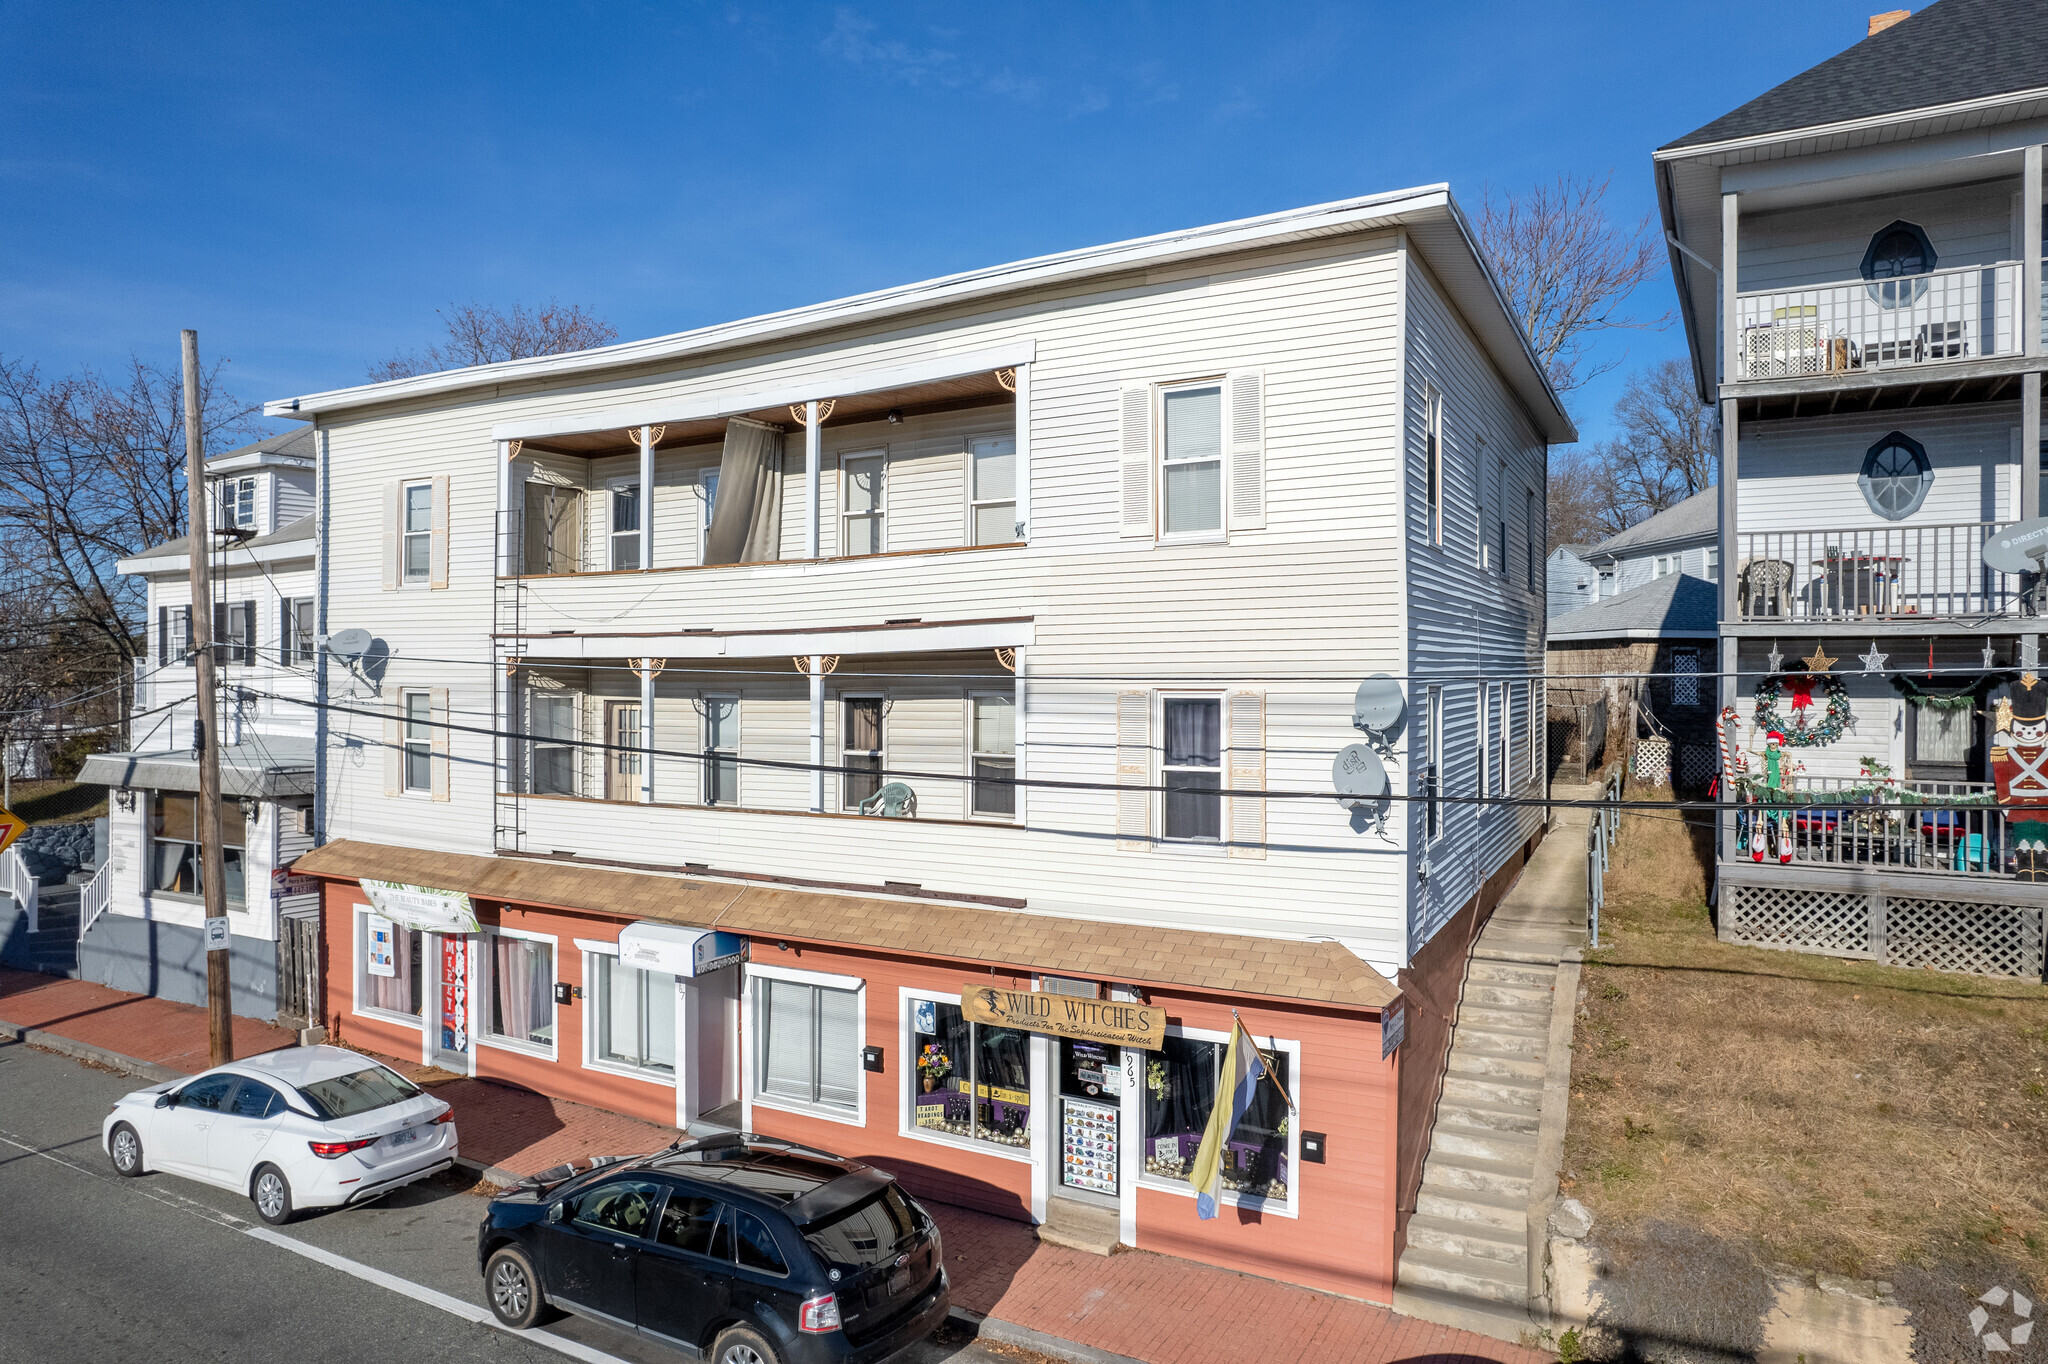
{"x": 480, "y": 335}
{"x": 1578, "y": 499}
{"x": 1569, "y": 271}
{"x": 1664, "y": 453}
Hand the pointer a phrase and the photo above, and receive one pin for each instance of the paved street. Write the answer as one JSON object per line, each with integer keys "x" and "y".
{"x": 166, "y": 1269}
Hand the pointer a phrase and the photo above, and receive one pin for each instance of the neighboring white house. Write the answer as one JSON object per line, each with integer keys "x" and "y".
{"x": 1571, "y": 580}
{"x": 1683, "y": 538}
{"x": 149, "y": 938}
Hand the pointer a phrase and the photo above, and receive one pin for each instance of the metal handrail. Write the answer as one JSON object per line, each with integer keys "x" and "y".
{"x": 93, "y": 898}
{"x": 1600, "y": 834}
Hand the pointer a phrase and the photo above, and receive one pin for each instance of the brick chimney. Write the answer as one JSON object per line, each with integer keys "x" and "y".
{"x": 1880, "y": 22}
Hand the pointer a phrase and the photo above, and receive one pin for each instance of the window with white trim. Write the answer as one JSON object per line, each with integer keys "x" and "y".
{"x": 1191, "y": 769}
{"x": 295, "y": 649}
{"x": 633, "y": 1013}
{"x": 519, "y": 985}
{"x": 390, "y": 965}
{"x": 863, "y": 503}
{"x": 992, "y": 722}
{"x": 1713, "y": 567}
{"x": 1482, "y": 706}
{"x": 416, "y": 550}
{"x": 807, "y": 1044}
{"x": 1432, "y": 759}
{"x": 237, "y": 498}
{"x": 1433, "y": 462}
{"x": 553, "y": 722}
{"x": 1503, "y": 740}
{"x": 721, "y": 762}
{"x": 417, "y": 738}
{"x": 968, "y": 1079}
{"x": 860, "y": 748}
{"x": 992, "y": 490}
{"x": 1531, "y": 534}
{"x": 1666, "y": 565}
{"x": 1191, "y": 460}
{"x": 1535, "y": 730}
{"x": 708, "y": 482}
{"x": 624, "y": 536}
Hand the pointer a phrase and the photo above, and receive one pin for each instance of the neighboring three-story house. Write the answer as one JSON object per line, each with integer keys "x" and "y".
{"x": 143, "y": 913}
{"x": 907, "y": 724}
{"x": 1858, "y": 259}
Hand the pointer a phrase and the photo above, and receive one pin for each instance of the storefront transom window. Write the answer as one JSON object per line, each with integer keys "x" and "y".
{"x": 1180, "y": 1091}
{"x": 969, "y": 1079}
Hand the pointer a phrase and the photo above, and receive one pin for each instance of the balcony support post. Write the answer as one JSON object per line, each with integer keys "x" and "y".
{"x": 1022, "y": 423}
{"x": 647, "y": 505}
{"x": 1732, "y": 366}
{"x": 1019, "y": 734}
{"x": 814, "y": 478}
{"x": 2030, "y": 242}
{"x": 507, "y": 560}
{"x": 1728, "y": 480}
{"x": 817, "y": 663}
{"x": 647, "y": 674}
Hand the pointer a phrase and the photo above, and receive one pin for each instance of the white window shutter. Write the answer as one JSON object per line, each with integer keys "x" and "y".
{"x": 438, "y": 700}
{"x": 1134, "y": 769}
{"x": 437, "y": 553}
{"x": 392, "y": 493}
{"x": 1247, "y": 450}
{"x": 1247, "y": 772}
{"x": 394, "y": 752}
{"x": 1134, "y": 485}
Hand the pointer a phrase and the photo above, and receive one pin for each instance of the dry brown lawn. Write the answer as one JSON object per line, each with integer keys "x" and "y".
{"x": 1840, "y": 1116}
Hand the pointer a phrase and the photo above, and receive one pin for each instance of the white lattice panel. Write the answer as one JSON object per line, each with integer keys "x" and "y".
{"x": 1835, "y": 922}
{"x": 1959, "y": 935}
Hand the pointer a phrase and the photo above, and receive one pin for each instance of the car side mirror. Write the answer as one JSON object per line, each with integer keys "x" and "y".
{"x": 166, "y": 1100}
{"x": 554, "y": 1213}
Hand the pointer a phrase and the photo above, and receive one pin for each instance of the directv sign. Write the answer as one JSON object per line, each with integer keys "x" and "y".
{"x": 678, "y": 951}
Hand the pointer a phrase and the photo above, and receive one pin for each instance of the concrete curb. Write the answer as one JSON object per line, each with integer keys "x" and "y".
{"x": 86, "y": 1051}
{"x": 1024, "y": 1338}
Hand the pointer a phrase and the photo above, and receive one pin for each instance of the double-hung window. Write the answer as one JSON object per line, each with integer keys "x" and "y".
{"x": 418, "y": 740}
{"x": 295, "y": 633}
{"x": 175, "y": 866}
{"x": 1713, "y": 565}
{"x": 860, "y": 749}
{"x": 1666, "y": 566}
{"x": 174, "y": 627}
{"x": 238, "y": 503}
{"x": 1531, "y": 534}
{"x": 992, "y": 490}
{"x": 551, "y": 723}
{"x": 521, "y": 978}
{"x": 416, "y": 554}
{"x": 968, "y": 1079}
{"x": 636, "y": 1016}
{"x": 1503, "y": 740}
{"x": 625, "y": 528}
{"x": 1482, "y": 703}
{"x": 865, "y": 501}
{"x": 234, "y": 632}
{"x": 1433, "y": 462}
{"x": 807, "y": 1043}
{"x": 993, "y": 719}
{"x": 1432, "y": 763}
{"x": 1191, "y": 460}
{"x": 1191, "y": 769}
{"x": 721, "y": 761}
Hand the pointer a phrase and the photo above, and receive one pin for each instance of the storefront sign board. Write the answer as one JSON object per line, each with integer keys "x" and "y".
{"x": 383, "y": 954}
{"x": 286, "y": 883}
{"x": 678, "y": 951}
{"x": 1393, "y": 1027}
{"x": 422, "y": 907}
{"x": 1093, "y": 1020}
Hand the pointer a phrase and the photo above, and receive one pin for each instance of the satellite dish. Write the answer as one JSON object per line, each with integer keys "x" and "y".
{"x": 1359, "y": 776}
{"x": 348, "y": 645}
{"x": 2020, "y": 548}
{"x": 1379, "y": 704}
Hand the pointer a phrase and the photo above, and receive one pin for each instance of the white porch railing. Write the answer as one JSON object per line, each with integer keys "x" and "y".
{"x": 93, "y": 898}
{"x": 1963, "y": 835}
{"x": 1891, "y": 571}
{"x": 1962, "y": 314}
{"x": 15, "y": 881}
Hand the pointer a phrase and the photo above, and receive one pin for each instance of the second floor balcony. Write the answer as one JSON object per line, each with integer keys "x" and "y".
{"x": 1853, "y": 327}
{"x": 1898, "y": 573}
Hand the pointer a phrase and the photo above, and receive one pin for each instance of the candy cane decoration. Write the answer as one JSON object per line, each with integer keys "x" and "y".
{"x": 1728, "y": 718}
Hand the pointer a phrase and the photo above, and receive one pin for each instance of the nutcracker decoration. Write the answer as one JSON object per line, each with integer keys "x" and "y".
{"x": 2019, "y": 768}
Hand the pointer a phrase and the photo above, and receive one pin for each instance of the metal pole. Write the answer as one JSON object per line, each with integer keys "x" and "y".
{"x": 220, "y": 1036}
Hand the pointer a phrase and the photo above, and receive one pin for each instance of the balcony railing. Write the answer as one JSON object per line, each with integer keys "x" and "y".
{"x": 1890, "y": 571}
{"x": 1841, "y": 823}
{"x": 1866, "y": 324}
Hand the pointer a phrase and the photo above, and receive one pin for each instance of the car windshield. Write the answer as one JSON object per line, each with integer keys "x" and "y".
{"x": 358, "y": 1092}
{"x": 865, "y": 1234}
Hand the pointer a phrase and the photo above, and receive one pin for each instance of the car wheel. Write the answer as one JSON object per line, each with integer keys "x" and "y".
{"x": 743, "y": 1345}
{"x": 125, "y": 1148}
{"x": 272, "y": 1195}
{"x": 514, "y": 1289}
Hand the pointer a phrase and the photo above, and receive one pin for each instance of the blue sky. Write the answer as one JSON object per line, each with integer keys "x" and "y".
{"x": 307, "y": 184}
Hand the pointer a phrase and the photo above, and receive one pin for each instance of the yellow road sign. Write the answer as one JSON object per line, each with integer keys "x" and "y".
{"x": 11, "y": 827}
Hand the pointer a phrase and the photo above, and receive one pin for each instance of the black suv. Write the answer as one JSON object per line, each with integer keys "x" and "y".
{"x": 737, "y": 1248}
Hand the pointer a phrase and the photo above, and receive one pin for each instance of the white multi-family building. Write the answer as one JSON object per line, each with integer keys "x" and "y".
{"x": 142, "y": 928}
{"x": 995, "y": 633}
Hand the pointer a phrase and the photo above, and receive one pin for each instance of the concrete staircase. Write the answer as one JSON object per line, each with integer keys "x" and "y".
{"x": 1467, "y": 1258}
{"x": 1079, "y": 1226}
{"x": 53, "y": 948}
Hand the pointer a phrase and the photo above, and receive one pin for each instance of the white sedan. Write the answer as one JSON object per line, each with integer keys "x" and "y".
{"x": 307, "y": 1127}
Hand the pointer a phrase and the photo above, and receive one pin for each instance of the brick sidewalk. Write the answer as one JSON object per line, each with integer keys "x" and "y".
{"x": 1137, "y": 1304}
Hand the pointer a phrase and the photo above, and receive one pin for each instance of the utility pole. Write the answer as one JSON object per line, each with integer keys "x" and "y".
{"x": 220, "y": 1035}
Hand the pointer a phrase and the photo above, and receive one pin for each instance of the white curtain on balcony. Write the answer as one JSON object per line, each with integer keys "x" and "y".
{"x": 746, "y": 523}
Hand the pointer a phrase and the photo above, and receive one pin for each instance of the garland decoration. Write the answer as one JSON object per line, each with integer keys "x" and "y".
{"x": 1970, "y": 695}
{"x": 1802, "y": 735}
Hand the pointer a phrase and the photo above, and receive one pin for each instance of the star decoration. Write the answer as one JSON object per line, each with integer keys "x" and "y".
{"x": 1873, "y": 662}
{"x": 1777, "y": 657}
{"x": 1989, "y": 654}
{"x": 1818, "y": 661}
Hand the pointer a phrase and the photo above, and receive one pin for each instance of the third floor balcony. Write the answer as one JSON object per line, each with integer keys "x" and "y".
{"x": 1919, "y": 322}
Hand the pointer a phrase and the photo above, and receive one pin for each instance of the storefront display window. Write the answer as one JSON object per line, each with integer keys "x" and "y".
{"x": 808, "y": 1043}
{"x": 522, "y": 974}
{"x": 968, "y": 1079}
{"x": 174, "y": 845}
{"x": 1180, "y": 1091}
{"x": 391, "y": 966}
{"x": 636, "y": 1016}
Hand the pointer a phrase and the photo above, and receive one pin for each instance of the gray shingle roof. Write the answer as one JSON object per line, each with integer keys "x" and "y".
{"x": 1697, "y": 517}
{"x": 1676, "y": 604}
{"x": 1951, "y": 51}
{"x": 297, "y": 441}
{"x": 301, "y": 529}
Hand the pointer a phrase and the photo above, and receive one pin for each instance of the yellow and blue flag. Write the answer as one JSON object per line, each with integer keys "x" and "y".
{"x": 1244, "y": 1065}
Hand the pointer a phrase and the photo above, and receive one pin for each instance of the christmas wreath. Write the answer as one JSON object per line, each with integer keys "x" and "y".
{"x": 1800, "y": 734}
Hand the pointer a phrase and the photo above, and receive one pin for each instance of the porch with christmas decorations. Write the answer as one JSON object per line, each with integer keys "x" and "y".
{"x": 1888, "y": 804}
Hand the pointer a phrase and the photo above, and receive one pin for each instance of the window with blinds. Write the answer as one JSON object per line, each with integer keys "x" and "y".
{"x": 807, "y": 1043}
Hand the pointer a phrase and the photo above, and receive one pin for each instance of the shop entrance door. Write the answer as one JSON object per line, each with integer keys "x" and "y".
{"x": 449, "y": 1013}
{"x": 1091, "y": 1107}
{"x": 708, "y": 1023}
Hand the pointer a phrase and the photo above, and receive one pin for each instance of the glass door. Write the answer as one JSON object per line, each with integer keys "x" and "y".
{"x": 450, "y": 1014}
{"x": 1091, "y": 1106}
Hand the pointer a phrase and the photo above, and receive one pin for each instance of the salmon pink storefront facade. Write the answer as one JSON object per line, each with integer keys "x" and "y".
{"x": 870, "y": 1050}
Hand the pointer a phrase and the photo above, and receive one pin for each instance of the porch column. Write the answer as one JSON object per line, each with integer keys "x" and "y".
{"x": 817, "y": 662}
{"x": 649, "y": 669}
{"x": 814, "y": 478}
{"x": 1729, "y": 479}
{"x": 2030, "y": 242}
{"x": 1731, "y": 312}
{"x": 647, "y": 513}
{"x": 1018, "y": 728}
{"x": 1023, "y": 475}
{"x": 508, "y": 450}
